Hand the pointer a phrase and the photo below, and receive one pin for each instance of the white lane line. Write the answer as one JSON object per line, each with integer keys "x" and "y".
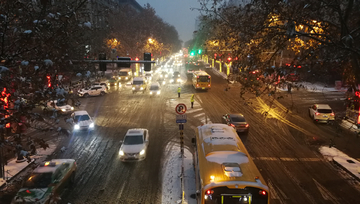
{"x": 199, "y": 115}
{"x": 121, "y": 190}
{"x": 325, "y": 193}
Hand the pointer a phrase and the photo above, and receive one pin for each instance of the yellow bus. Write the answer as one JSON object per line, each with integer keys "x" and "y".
{"x": 224, "y": 170}
{"x": 201, "y": 80}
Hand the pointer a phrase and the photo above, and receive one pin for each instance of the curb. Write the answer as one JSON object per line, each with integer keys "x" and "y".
{"x": 349, "y": 172}
{"x": 13, "y": 177}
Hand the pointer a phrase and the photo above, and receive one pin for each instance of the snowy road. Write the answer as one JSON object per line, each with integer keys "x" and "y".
{"x": 281, "y": 144}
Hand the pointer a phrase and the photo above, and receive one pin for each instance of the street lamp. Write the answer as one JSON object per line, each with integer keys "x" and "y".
{"x": 151, "y": 40}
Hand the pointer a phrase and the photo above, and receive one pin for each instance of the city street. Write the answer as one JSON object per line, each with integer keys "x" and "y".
{"x": 282, "y": 145}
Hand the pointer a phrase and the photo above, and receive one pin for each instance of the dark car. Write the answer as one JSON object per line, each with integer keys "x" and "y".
{"x": 237, "y": 121}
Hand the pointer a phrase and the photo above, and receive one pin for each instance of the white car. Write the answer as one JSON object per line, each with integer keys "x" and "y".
{"x": 321, "y": 113}
{"x": 93, "y": 91}
{"x": 155, "y": 88}
{"x": 60, "y": 106}
{"x": 135, "y": 144}
{"x": 82, "y": 121}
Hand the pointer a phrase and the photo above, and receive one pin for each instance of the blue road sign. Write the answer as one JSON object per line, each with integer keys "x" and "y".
{"x": 181, "y": 121}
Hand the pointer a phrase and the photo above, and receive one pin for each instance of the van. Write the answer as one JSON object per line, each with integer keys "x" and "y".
{"x": 138, "y": 84}
{"x": 125, "y": 75}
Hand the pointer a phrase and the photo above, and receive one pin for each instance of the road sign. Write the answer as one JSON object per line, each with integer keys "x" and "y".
{"x": 180, "y": 108}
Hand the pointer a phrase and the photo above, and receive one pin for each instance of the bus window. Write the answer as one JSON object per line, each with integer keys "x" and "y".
{"x": 204, "y": 79}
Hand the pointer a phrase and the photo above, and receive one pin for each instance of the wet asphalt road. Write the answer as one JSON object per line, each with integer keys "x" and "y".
{"x": 283, "y": 144}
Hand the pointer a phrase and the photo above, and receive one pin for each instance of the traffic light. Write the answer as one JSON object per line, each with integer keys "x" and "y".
{"x": 124, "y": 64}
{"x": 192, "y": 53}
{"x": 147, "y": 57}
{"x": 102, "y": 65}
{"x": 229, "y": 59}
{"x": 199, "y": 52}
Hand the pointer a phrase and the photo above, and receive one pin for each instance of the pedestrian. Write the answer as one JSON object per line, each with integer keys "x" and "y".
{"x": 192, "y": 100}
{"x": 179, "y": 91}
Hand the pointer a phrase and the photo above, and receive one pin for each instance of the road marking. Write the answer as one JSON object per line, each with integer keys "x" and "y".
{"x": 287, "y": 159}
{"x": 121, "y": 190}
{"x": 325, "y": 193}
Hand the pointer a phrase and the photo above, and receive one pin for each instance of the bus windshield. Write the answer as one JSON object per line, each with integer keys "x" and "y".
{"x": 123, "y": 73}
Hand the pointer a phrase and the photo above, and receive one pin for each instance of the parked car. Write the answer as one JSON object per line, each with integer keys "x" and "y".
{"x": 93, "y": 91}
{"x": 60, "y": 106}
{"x": 82, "y": 121}
{"x": 321, "y": 113}
{"x": 155, "y": 88}
{"x": 237, "y": 121}
{"x": 47, "y": 182}
{"x": 134, "y": 145}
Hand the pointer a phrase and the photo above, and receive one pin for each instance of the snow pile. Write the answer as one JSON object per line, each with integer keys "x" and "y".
{"x": 87, "y": 24}
{"x": 28, "y": 31}
{"x": 48, "y": 62}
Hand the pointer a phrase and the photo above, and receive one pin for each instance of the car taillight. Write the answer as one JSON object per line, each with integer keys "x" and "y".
{"x": 332, "y": 114}
{"x": 209, "y": 192}
{"x": 232, "y": 125}
{"x": 208, "y": 85}
{"x": 262, "y": 193}
{"x": 197, "y": 84}
{"x": 247, "y": 125}
{"x": 317, "y": 113}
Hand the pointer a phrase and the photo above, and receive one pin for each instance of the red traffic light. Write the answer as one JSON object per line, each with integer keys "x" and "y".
{"x": 229, "y": 59}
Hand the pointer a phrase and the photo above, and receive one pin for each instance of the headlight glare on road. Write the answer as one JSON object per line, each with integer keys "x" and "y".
{"x": 121, "y": 153}
{"x": 91, "y": 125}
{"x": 142, "y": 152}
{"x": 63, "y": 109}
{"x": 158, "y": 92}
{"x": 76, "y": 127}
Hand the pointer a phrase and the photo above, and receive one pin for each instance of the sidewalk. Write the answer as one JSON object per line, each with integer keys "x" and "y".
{"x": 351, "y": 165}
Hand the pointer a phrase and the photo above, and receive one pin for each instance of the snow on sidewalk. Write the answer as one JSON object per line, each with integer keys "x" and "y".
{"x": 171, "y": 187}
{"x": 13, "y": 168}
{"x": 351, "y": 165}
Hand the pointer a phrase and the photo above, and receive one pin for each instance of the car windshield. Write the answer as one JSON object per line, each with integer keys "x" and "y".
{"x": 138, "y": 82}
{"x": 238, "y": 119}
{"x": 123, "y": 73}
{"x": 38, "y": 180}
{"x": 81, "y": 118}
{"x": 324, "y": 110}
{"x": 133, "y": 140}
{"x": 154, "y": 87}
{"x": 60, "y": 103}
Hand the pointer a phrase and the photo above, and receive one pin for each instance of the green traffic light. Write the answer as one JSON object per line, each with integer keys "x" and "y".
{"x": 192, "y": 53}
{"x": 199, "y": 51}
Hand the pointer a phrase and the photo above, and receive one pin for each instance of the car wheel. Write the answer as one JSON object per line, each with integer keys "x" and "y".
{"x": 314, "y": 119}
{"x": 86, "y": 95}
{"x": 102, "y": 93}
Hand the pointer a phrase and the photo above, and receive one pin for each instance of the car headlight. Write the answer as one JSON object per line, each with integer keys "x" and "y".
{"x": 115, "y": 84}
{"x": 63, "y": 109}
{"x": 108, "y": 84}
{"x": 76, "y": 127}
{"x": 126, "y": 77}
{"x": 119, "y": 77}
{"x": 91, "y": 125}
{"x": 166, "y": 75}
{"x": 161, "y": 75}
{"x": 133, "y": 88}
{"x": 120, "y": 85}
{"x": 178, "y": 80}
{"x": 163, "y": 82}
{"x": 150, "y": 92}
{"x": 72, "y": 108}
{"x": 141, "y": 88}
{"x": 121, "y": 153}
{"x": 142, "y": 152}
{"x": 158, "y": 92}
{"x": 179, "y": 75}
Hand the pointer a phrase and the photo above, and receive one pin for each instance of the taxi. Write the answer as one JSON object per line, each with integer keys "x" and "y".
{"x": 139, "y": 84}
{"x": 47, "y": 182}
